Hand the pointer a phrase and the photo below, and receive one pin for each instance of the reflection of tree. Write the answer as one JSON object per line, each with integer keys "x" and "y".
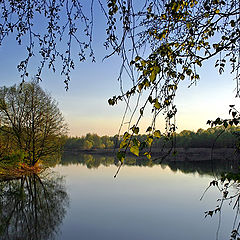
{"x": 32, "y": 207}
{"x": 204, "y": 167}
{"x": 200, "y": 167}
{"x": 89, "y": 160}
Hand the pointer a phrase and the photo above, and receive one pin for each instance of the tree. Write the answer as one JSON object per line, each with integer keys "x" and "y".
{"x": 87, "y": 144}
{"x": 171, "y": 40}
{"x": 32, "y": 120}
{"x": 161, "y": 43}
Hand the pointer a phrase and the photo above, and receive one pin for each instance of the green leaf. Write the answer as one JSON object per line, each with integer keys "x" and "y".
{"x": 135, "y": 129}
{"x": 209, "y": 121}
{"x": 148, "y": 155}
{"x": 146, "y": 83}
{"x": 143, "y": 63}
{"x": 137, "y": 58}
{"x": 140, "y": 86}
{"x": 157, "y": 134}
{"x": 134, "y": 150}
{"x": 123, "y": 144}
{"x": 126, "y": 136}
{"x": 225, "y": 124}
{"x": 188, "y": 25}
{"x": 121, "y": 156}
{"x": 149, "y": 129}
{"x": 111, "y": 102}
{"x": 157, "y": 104}
{"x": 234, "y": 114}
{"x": 150, "y": 99}
{"x": 149, "y": 140}
{"x": 142, "y": 145}
{"x": 198, "y": 63}
{"x": 182, "y": 77}
{"x": 232, "y": 23}
{"x": 157, "y": 69}
{"x": 188, "y": 72}
{"x": 136, "y": 142}
{"x": 236, "y": 122}
{"x": 152, "y": 76}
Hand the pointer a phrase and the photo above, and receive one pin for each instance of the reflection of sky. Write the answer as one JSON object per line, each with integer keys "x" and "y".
{"x": 85, "y": 105}
{"x": 141, "y": 203}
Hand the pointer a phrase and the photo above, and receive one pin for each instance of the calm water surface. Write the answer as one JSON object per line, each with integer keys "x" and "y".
{"x": 141, "y": 203}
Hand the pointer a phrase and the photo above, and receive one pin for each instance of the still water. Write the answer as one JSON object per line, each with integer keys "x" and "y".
{"x": 82, "y": 200}
{"x": 143, "y": 202}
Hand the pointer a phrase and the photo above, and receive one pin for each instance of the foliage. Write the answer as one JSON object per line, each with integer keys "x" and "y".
{"x": 48, "y": 29}
{"x": 31, "y": 121}
{"x": 228, "y": 186}
{"x": 185, "y": 139}
{"x": 161, "y": 43}
{"x": 90, "y": 141}
{"x": 234, "y": 120}
{"x": 171, "y": 40}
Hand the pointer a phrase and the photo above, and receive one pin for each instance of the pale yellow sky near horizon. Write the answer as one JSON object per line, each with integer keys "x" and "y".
{"x": 195, "y": 105}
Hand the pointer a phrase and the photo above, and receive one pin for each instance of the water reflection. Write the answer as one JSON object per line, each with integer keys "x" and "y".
{"x": 208, "y": 167}
{"x": 32, "y": 207}
{"x": 145, "y": 201}
{"x": 135, "y": 177}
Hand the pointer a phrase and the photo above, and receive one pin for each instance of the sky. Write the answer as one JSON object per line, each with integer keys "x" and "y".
{"x": 85, "y": 105}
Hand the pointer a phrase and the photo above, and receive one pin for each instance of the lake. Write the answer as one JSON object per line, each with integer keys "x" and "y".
{"x": 143, "y": 202}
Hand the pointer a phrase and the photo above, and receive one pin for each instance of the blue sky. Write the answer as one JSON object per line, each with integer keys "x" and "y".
{"x": 85, "y": 106}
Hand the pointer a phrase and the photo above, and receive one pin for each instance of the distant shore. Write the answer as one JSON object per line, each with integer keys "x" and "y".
{"x": 181, "y": 154}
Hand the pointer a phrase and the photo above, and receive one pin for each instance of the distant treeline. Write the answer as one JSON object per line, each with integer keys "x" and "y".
{"x": 186, "y": 139}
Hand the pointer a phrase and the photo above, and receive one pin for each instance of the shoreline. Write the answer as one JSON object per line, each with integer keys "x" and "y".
{"x": 182, "y": 154}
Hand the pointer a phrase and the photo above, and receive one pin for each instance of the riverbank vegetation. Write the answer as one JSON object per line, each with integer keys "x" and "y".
{"x": 32, "y": 128}
{"x": 217, "y": 136}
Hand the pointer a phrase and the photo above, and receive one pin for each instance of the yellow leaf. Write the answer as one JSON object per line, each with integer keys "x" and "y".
{"x": 157, "y": 105}
{"x": 135, "y": 130}
{"x": 122, "y": 144}
{"x": 126, "y": 136}
{"x": 157, "y": 69}
{"x": 137, "y": 58}
{"x": 143, "y": 63}
{"x": 134, "y": 150}
{"x": 121, "y": 156}
{"x": 188, "y": 25}
{"x": 149, "y": 140}
{"x": 157, "y": 134}
{"x": 148, "y": 155}
{"x": 152, "y": 76}
{"x": 146, "y": 83}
